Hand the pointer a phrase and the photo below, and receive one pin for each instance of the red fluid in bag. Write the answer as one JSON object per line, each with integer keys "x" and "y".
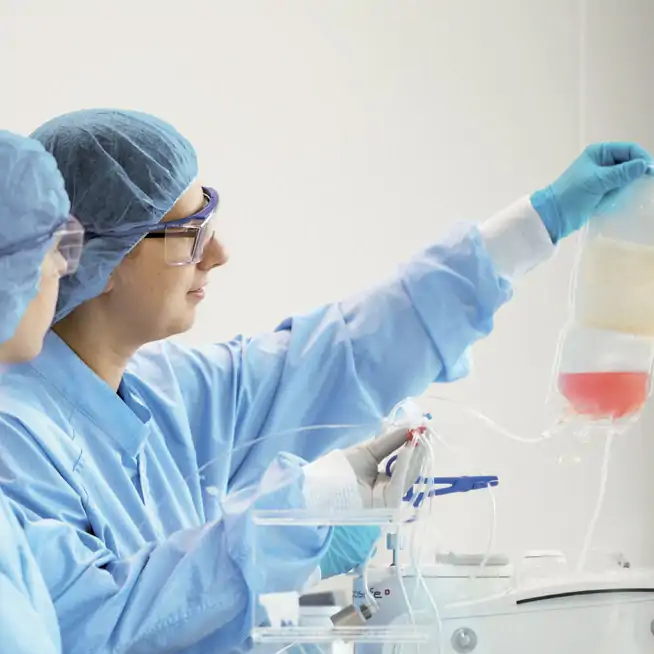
{"x": 605, "y": 394}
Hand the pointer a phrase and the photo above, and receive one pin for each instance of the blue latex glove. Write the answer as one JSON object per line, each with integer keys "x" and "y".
{"x": 601, "y": 171}
{"x": 349, "y": 548}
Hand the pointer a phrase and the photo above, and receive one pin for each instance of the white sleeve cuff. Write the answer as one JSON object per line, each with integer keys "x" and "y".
{"x": 516, "y": 239}
{"x": 331, "y": 485}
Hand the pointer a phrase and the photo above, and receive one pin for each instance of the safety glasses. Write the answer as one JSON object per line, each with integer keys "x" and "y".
{"x": 186, "y": 238}
{"x": 69, "y": 241}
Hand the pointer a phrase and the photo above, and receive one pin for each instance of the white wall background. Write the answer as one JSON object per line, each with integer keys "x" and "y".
{"x": 343, "y": 136}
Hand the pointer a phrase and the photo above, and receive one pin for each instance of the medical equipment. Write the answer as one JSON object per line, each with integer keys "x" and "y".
{"x": 536, "y": 606}
{"x": 484, "y": 603}
{"x": 608, "y": 348}
{"x": 450, "y": 485}
{"x": 352, "y": 621}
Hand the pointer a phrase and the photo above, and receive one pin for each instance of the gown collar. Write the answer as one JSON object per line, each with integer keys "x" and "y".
{"x": 122, "y": 416}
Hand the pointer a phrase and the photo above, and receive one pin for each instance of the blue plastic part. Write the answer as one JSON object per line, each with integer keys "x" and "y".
{"x": 452, "y": 485}
{"x": 461, "y": 484}
{"x": 389, "y": 465}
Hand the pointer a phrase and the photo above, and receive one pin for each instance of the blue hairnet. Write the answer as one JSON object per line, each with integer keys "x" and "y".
{"x": 124, "y": 170}
{"x": 33, "y": 205}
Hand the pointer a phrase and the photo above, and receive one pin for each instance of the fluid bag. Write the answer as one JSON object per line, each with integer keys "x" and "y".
{"x": 607, "y": 348}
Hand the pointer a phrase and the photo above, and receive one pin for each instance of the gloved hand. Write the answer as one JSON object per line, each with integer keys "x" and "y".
{"x": 349, "y": 548}
{"x": 378, "y": 490}
{"x": 351, "y": 545}
{"x": 601, "y": 171}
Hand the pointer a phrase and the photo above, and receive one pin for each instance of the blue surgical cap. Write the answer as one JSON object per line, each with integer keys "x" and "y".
{"x": 124, "y": 170}
{"x": 33, "y": 206}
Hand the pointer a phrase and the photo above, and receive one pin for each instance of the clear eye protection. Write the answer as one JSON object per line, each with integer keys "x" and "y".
{"x": 69, "y": 241}
{"x": 186, "y": 238}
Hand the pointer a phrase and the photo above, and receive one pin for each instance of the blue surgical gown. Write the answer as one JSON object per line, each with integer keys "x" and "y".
{"x": 153, "y": 551}
{"x": 28, "y": 623}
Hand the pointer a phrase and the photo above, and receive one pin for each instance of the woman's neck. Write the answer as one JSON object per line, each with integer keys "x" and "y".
{"x": 95, "y": 342}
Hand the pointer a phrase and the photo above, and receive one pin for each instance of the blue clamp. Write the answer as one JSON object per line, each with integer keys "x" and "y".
{"x": 452, "y": 484}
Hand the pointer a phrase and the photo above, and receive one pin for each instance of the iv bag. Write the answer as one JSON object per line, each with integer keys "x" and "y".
{"x": 604, "y": 375}
{"x": 608, "y": 346}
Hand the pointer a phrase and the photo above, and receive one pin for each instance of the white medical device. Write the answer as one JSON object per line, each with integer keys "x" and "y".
{"x": 543, "y": 609}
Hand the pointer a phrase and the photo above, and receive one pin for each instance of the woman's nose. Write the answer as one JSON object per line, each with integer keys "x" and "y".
{"x": 214, "y": 254}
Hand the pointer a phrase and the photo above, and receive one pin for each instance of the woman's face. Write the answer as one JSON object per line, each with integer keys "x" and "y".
{"x": 27, "y": 341}
{"x": 153, "y": 300}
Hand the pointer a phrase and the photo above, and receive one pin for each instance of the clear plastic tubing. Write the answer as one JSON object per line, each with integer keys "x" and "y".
{"x": 608, "y": 347}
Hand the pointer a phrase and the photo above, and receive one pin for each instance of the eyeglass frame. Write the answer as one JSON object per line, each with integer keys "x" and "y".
{"x": 70, "y": 243}
{"x": 205, "y": 215}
